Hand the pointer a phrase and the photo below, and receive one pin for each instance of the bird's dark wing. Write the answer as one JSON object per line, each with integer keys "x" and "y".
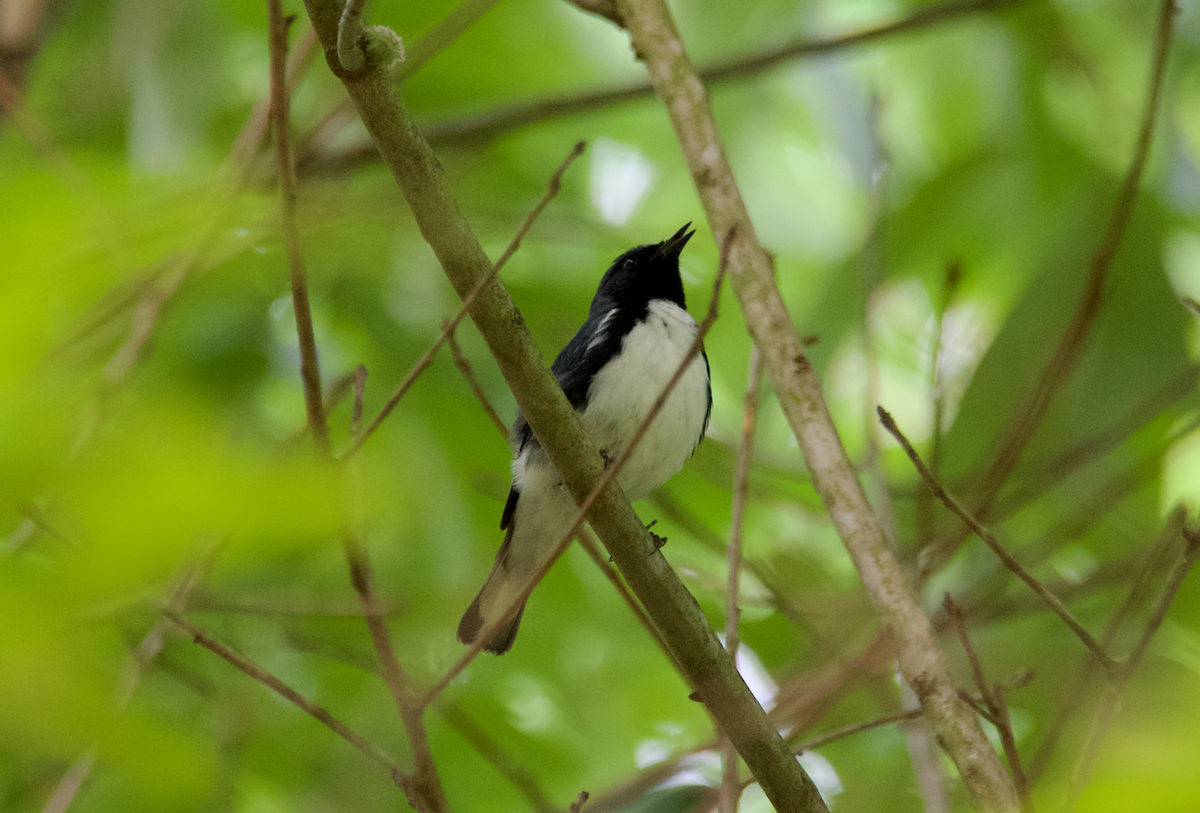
{"x": 575, "y": 366}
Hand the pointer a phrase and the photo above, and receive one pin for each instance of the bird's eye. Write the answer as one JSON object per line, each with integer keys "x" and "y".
{"x": 629, "y": 264}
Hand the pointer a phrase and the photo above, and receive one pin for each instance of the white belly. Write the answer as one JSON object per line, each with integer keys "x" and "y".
{"x": 624, "y": 390}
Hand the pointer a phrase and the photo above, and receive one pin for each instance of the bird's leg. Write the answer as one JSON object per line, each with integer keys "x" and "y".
{"x": 659, "y": 541}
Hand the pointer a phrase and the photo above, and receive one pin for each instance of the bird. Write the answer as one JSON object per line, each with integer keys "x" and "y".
{"x": 636, "y": 335}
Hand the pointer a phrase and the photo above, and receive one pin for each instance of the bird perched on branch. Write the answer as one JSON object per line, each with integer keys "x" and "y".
{"x": 637, "y": 333}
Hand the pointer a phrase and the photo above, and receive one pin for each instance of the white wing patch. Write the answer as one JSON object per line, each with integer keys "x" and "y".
{"x": 602, "y": 329}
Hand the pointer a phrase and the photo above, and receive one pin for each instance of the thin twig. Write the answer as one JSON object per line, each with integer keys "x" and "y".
{"x": 608, "y": 476}
{"x": 1078, "y": 689}
{"x": 464, "y": 367}
{"x": 349, "y": 51}
{"x": 68, "y": 787}
{"x": 359, "y": 378}
{"x": 488, "y": 125}
{"x": 730, "y": 791}
{"x": 960, "y": 626}
{"x": 996, "y": 702}
{"x": 423, "y": 788}
{"x": 580, "y": 801}
{"x": 309, "y": 369}
{"x": 1162, "y": 604}
{"x": 1008, "y": 740}
{"x": 1007, "y": 558}
{"x": 924, "y": 502}
{"x": 593, "y": 550}
{"x": 845, "y": 731}
{"x": 1082, "y": 773}
{"x": 135, "y": 668}
{"x": 449, "y": 327}
{"x": 1067, "y": 353}
{"x": 253, "y": 670}
{"x": 245, "y": 145}
{"x": 494, "y": 123}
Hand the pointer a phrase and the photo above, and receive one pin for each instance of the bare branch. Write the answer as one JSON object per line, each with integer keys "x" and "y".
{"x": 1081, "y": 775}
{"x": 812, "y": 743}
{"x": 995, "y": 702}
{"x": 309, "y": 369}
{"x": 990, "y": 540}
{"x": 657, "y": 42}
{"x": 1078, "y": 689}
{"x": 1066, "y": 354}
{"x": 423, "y": 183}
{"x": 593, "y": 551}
{"x": 423, "y": 788}
{"x": 449, "y": 327}
{"x": 727, "y": 799}
{"x": 464, "y": 367}
{"x": 253, "y": 670}
{"x": 490, "y": 125}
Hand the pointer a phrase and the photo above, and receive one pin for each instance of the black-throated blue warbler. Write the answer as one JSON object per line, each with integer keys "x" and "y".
{"x": 636, "y": 335}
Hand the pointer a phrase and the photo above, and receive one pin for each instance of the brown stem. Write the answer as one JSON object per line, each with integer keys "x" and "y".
{"x": 995, "y": 702}
{"x": 1066, "y": 354}
{"x": 1082, "y": 773}
{"x": 253, "y": 670}
{"x": 464, "y": 367}
{"x": 449, "y": 327}
{"x": 1078, "y": 689}
{"x": 423, "y": 788}
{"x": 310, "y": 370}
{"x": 424, "y": 185}
{"x": 990, "y": 540}
{"x": 489, "y": 125}
{"x": 657, "y": 42}
{"x": 813, "y": 743}
{"x": 730, "y": 791}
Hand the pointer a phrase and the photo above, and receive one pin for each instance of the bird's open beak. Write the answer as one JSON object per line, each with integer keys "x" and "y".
{"x": 675, "y": 243}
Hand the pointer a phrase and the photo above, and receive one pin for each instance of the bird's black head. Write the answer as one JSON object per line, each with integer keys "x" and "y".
{"x": 645, "y": 273}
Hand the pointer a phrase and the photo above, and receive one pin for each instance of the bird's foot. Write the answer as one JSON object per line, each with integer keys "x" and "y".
{"x": 608, "y": 461}
{"x": 659, "y": 541}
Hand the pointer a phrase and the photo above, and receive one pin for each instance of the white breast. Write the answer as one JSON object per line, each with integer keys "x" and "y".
{"x": 624, "y": 390}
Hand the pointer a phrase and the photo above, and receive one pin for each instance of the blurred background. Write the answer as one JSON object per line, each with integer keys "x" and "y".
{"x": 933, "y": 198}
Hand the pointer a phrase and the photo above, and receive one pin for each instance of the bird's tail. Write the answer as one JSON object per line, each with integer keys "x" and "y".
{"x": 496, "y": 596}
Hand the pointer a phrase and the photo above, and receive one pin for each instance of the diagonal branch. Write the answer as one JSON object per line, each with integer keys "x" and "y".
{"x": 484, "y": 126}
{"x": 730, "y": 790}
{"x": 310, "y": 371}
{"x": 1082, "y": 773}
{"x": 492, "y": 124}
{"x": 423, "y": 788}
{"x": 990, "y": 540}
{"x": 1066, "y": 354}
{"x": 253, "y": 670}
{"x": 450, "y": 326}
{"x": 657, "y": 42}
{"x": 995, "y": 702}
{"x": 556, "y": 424}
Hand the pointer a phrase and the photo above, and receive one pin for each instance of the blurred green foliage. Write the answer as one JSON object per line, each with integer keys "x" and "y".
{"x": 995, "y": 142}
